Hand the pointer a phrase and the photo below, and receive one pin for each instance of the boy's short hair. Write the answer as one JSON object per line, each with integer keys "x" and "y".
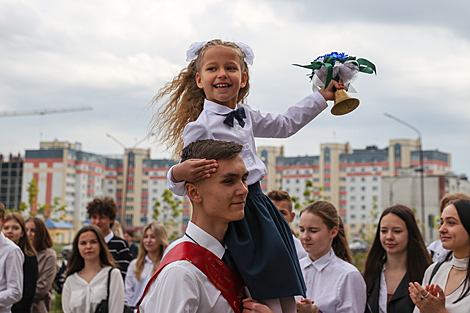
{"x": 102, "y": 206}
{"x": 211, "y": 149}
{"x": 2, "y": 212}
{"x": 280, "y": 195}
{"x": 451, "y": 198}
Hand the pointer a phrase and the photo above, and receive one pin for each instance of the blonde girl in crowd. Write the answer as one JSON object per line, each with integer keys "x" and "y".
{"x": 333, "y": 283}
{"x": 207, "y": 101}
{"x": 153, "y": 244}
{"x": 47, "y": 263}
{"x": 14, "y": 229}
{"x": 88, "y": 268}
{"x": 397, "y": 257}
{"x": 446, "y": 285}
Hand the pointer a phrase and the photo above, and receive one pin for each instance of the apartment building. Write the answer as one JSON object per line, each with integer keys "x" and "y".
{"x": 357, "y": 181}
{"x": 134, "y": 181}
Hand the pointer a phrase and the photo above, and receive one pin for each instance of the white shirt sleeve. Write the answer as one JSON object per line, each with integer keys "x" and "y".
{"x": 129, "y": 285}
{"x": 14, "y": 278}
{"x": 175, "y": 290}
{"x": 66, "y": 293}
{"x": 176, "y": 188}
{"x": 116, "y": 292}
{"x": 352, "y": 294}
{"x": 272, "y": 125}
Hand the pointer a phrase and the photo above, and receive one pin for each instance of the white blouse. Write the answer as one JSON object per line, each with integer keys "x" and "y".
{"x": 134, "y": 288}
{"x": 440, "y": 278}
{"x": 334, "y": 284}
{"x": 209, "y": 125}
{"x": 79, "y": 296}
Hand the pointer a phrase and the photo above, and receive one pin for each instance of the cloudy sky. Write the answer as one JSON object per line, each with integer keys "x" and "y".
{"x": 115, "y": 55}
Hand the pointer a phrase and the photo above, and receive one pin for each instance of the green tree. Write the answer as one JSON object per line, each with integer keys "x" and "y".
{"x": 311, "y": 194}
{"x": 55, "y": 209}
{"x": 368, "y": 232}
{"x": 168, "y": 210}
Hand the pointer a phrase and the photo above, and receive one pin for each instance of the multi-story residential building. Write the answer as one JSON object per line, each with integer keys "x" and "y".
{"x": 355, "y": 180}
{"x": 135, "y": 181}
{"x": 11, "y": 178}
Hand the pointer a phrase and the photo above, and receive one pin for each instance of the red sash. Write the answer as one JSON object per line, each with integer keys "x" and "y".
{"x": 219, "y": 273}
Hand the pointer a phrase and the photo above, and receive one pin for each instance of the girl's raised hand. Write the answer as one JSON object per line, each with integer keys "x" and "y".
{"x": 193, "y": 170}
{"x": 328, "y": 93}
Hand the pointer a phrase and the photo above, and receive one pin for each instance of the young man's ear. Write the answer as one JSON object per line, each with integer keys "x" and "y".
{"x": 193, "y": 192}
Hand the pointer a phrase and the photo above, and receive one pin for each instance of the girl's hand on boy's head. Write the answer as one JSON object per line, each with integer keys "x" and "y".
{"x": 328, "y": 93}
{"x": 193, "y": 170}
{"x": 305, "y": 306}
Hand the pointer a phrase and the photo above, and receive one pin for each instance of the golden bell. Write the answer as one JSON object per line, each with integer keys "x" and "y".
{"x": 343, "y": 103}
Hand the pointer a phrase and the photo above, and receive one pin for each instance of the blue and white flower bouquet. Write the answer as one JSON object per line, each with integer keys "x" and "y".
{"x": 337, "y": 66}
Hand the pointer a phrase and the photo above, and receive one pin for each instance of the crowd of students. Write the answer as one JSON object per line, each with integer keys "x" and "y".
{"x": 396, "y": 264}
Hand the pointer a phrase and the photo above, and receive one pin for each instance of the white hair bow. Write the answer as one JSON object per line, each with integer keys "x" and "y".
{"x": 193, "y": 51}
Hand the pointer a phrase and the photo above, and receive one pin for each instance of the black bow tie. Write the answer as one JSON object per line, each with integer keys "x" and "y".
{"x": 239, "y": 114}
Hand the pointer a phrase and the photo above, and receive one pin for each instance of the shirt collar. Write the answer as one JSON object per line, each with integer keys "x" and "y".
{"x": 217, "y": 108}
{"x": 147, "y": 259}
{"x": 322, "y": 262}
{"x": 205, "y": 240}
{"x": 109, "y": 236}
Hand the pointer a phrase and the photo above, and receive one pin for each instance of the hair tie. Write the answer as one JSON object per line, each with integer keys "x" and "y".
{"x": 195, "y": 47}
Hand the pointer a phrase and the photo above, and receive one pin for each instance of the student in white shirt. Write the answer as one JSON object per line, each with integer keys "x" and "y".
{"x": 283, "y": 202}
{"x": 181, "y": 286}
{"x": 333, "y": 283}
{"x": 448, "y": 291}
{"x": 88, "y": 268}
{"x": 153, "y": 244}
{"x": 11, "y": 269}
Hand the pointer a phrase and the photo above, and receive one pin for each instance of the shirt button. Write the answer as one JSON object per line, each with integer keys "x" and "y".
{"x": 239, "y": 127}
{"x": 247, "y": 146}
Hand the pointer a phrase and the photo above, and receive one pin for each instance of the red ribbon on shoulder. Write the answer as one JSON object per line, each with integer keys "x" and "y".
{"x": 219, "y": 273}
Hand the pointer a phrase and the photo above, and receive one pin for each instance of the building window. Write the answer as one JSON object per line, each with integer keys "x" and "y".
{"x": 129, "y": 220}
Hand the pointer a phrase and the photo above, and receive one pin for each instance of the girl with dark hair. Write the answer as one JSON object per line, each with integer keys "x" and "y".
{"x": 333, "y": 283}
{"x": 152, "y": 246}
{"x": 47, "y": 260}
{"x": 454, "y": 274}
{"x": 397, "y": 256}
{"x": 15, "y": 230}
{"x": 88, "y": 268}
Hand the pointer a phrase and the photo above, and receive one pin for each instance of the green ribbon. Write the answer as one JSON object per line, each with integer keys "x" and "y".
{"x": 364, "y": 66}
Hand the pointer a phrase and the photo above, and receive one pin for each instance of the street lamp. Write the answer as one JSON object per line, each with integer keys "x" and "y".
{"x": 127, "y": 151}
{"x": 421, "y": 170}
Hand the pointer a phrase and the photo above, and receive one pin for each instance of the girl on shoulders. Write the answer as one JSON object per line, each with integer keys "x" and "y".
{"x": 88, "y": 268}
{"x": 47, "y": 263}
{"x": 447, "y": 284}
{"x": 398, "y": 256}
{"x": 333, "y": 283}
{"x": 152, "y": 246}
{"x": 207, "y": 101}
{"x": 14, "y": 229}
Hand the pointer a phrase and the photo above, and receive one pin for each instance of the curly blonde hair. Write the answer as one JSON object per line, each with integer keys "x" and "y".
{"x": 186, "y": 100}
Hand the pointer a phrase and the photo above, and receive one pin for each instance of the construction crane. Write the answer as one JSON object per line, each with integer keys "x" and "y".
{"x": 43, "y": 111}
